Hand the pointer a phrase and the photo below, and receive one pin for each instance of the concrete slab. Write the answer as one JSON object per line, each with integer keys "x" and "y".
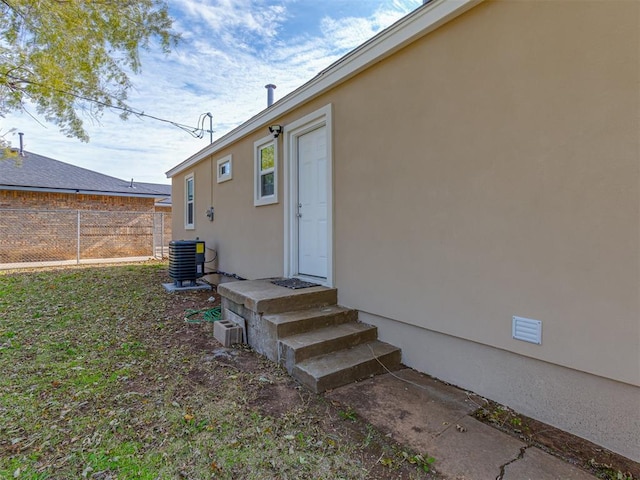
{"x": 65, "y": 263}
{"x": 412, "y": 407}
{"x": 477, "y": 452}
{"x": 262, "y": 296}
{"x": 538, "y": 465}
{"x": 172, "y": 288}
{"x": 430, "y": 417}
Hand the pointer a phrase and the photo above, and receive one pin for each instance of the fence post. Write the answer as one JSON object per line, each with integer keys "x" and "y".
{"x": 154, "y": 252}
{"x": 78, "y": 239}
{"x": 162, "y": 235}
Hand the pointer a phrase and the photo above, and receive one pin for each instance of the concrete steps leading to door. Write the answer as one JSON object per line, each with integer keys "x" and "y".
{"x": 303, "y": 346}
{"x": 321, "y": 344}
{"x": 300, "y": 321}
{"x": 341, "y": 367}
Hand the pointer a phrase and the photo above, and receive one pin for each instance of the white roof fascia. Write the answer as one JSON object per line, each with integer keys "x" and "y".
{"x": 416, "y": 24}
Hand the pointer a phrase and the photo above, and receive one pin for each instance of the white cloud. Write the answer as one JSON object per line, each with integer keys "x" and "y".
{"x": 347, "y": 33}
{"x": 227, "y": 16}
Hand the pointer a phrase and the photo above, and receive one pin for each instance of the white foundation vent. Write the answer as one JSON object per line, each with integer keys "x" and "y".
{"x": 527, "y": 330}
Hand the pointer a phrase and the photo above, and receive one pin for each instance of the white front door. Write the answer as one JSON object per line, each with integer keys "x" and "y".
{"x": 312, "y": 203}
{"x": 308, "y": 199}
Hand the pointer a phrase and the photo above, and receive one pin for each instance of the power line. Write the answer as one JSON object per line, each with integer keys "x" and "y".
{"x": 197, "y": 132}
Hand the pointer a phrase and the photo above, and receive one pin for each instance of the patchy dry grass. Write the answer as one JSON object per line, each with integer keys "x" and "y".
{"x": 101, "y": 378}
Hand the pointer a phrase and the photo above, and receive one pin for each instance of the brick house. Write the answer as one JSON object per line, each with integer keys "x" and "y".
{"x": 51, "y": 210}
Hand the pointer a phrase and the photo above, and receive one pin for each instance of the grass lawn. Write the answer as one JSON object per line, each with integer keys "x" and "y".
{"x": 101, "y": 377}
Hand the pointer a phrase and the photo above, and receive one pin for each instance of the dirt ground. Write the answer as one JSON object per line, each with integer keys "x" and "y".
{"x": 277, "y": 399}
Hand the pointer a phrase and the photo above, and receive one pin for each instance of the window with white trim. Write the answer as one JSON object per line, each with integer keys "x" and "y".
{"x": 189, "y": 195}
{"x": 266, "y": 171}
{"x": 225, "y": 170}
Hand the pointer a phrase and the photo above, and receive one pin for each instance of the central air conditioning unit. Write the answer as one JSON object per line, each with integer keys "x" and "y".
{"x": 186, "y": 261}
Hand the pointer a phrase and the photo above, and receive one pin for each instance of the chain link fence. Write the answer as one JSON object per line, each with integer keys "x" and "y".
{"x": 28, "y": 236}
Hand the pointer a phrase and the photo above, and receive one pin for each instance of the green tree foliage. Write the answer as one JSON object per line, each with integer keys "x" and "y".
{"x": 72, "y": 57}
{"x": 5, "y": 145}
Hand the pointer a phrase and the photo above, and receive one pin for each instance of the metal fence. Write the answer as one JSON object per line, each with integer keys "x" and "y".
{"x": 28, "y": 236}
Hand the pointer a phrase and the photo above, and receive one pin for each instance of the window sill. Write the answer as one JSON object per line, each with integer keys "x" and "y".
{"x": 265, "y": 201}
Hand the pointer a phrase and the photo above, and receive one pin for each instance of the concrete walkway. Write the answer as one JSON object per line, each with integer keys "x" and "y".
{"x": 434, "y": 418}
{"x": 68, "y": 263}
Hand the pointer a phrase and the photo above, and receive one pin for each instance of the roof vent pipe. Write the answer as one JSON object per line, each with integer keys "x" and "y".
{"x": 270, "y": 88}
{"x": 21, "y": 152}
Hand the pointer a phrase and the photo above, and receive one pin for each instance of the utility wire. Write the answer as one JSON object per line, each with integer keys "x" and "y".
{"x": 197, "y": 132}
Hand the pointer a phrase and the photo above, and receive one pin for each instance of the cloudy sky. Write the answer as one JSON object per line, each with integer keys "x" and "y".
{"x": 230, "y": 50}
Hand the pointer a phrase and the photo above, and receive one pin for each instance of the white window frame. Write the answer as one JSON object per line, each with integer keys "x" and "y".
{"x": 258, "y": 198}
{"x": 187, "y": 202}
{"x": 224, "y": 177}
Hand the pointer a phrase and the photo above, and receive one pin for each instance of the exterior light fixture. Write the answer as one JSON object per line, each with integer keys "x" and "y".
{"x": 276, "y": 130}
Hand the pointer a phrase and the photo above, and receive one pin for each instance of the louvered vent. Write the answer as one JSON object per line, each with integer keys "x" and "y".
{"x": 527, "y": 330}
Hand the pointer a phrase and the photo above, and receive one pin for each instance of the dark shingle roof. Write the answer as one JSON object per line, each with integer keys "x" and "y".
{"x": 165, "y": 190}
{"x": 38, "y": 173}
{"x": 159, "y": 187}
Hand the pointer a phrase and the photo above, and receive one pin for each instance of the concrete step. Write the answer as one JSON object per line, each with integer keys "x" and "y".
{"x": 263, "y": 297}
{"x": 345, "y": 366}
{"x": 296, "y": 348}
{"x": 320, "y": 343}
{"x": 291, "y": 323}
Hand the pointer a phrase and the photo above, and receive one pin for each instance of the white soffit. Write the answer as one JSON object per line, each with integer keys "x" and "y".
{"x": 416, "y": 24}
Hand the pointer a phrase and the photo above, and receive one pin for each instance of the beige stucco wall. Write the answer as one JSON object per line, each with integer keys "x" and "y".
{"x": 247, "y": 239}
{"x": 508, "y": 183}
{"x": 490, "y": 169}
